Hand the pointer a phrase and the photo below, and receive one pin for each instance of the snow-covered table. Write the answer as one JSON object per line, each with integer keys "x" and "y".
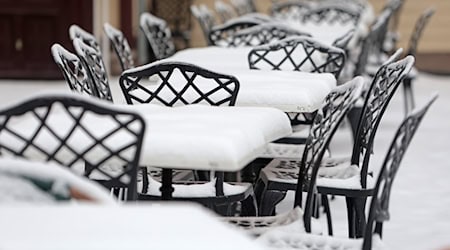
{"x": 289, "y": 91}
{"x": 83, "y": 226}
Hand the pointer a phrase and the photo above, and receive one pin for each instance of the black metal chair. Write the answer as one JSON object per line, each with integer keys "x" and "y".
{"x": 93, "y": 61}
{"x": 120, "y": 45}
{"x": 205, "y": 18}
{"x": 243, "y": 7}
{"x": 76, "y": 31}
{"x": 158, "y": 36}
{"x": 75, "y": 131}
{"x": 224, "y": 10}
{"x": 379, "y": 206}
{"x": 284, "y": 55}
{"x": 294, "y": 10}
{"x": 259, "y": 35}
{"x": 327, "y": 120}
{"x": 174, "y": 84}
{"x": 74, "y": 72}
{"x": 332, "y": 14}
{"x": 223, "y": 35}
{"x": 383, "y": 87}
{"x": 412, "y": 49}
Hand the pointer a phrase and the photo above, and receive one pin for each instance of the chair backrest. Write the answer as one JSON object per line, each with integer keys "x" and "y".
{"x": 334, "y": 109}
{"x": 243, "y": 7}
{"x": 225, "y": 11}
{"x": 343, "y": 41}
{"x": 383, "y": 87}
{"x": 120, "y": 45}
{"x": 75, "y": 131}
{"x": 222, "y": 35}
{"x": 332, "y": 14}
{"x": 158, "y": 35}
{"x": 76, "y": 31}
{"x": 299, "y": 54}
{"x": 176, "y": 83}
{"x": 379, "y": 207}
{"x": 418, "y": 29}
{"x": 74, "y": 71}
{"x": 205, "y": 18}
{"x": 93, "y": 61}
{"x": 292, "y": 10}
{"x": 373, "y": 42}
{"x": 260, "y": 34}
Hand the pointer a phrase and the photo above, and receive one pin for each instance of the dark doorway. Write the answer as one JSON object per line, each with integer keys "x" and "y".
{"x": 28, "y": 28}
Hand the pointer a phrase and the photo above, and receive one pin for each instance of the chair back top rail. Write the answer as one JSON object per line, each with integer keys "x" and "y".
{"x": 158, "y": 35}
{"x": 120, "y": 45}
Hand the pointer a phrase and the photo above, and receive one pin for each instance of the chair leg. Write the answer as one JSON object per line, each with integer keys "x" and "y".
{"x": 270, "y": 199}
{"x": 353, "y": 116}
{"x": 259, "y": 190}
{"x": 249, "y": 206}
{"x": 408, "y": 95}
{"x": 350, "y": 217}
{"x": 326, "y": 206}
{"x": 360, "y": 216}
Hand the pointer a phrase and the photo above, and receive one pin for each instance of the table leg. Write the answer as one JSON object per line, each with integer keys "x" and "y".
{"x": 166, "y": 186}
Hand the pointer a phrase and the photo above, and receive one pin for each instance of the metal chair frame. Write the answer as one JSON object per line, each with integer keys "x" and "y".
{"x": 205, "y": 18}
{"x": 120, "y": 45}
{"x": 290, "y": 10}
{"x": 243, "y": 7}
{"x": 332, "y": 14}
{"x": 224, "y": 10}
{"x": 74, "y": 71}
{"x": 223, "y": 35}
{"x": 76, "y": 31}
{"x": 41, "y": 113}
{"x": 158, "y": 35}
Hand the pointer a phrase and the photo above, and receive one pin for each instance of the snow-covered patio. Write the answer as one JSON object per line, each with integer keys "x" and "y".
{"x": 420, "y": 217}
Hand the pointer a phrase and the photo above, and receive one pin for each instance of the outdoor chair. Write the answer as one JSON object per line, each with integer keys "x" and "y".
{"x": 74, "y": 72}
{"x": 332, "y": 14}
{"x": 290, "y": 237}
{"x": 224, "y": 10}
{"x": 292, "y": 10}
{"x": 158, "y": 36}
{"x": 412, "y": 49}
{"x": 93, "y": 61}
{"x": 178, "y": 84}
{"x": 121, "y": 47}
{"x": 325, "y": 123}
{"x": 76, "y": 132}
{"x": 76, "y": 31}
{"x": 259, "y": 35}
{"x": 205, "y": 18}
{"x": 222, "y": 35}
{"x": 243, "y": 7}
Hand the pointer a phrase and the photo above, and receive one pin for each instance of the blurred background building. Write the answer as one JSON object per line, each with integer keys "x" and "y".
{"x": 29, "y": 27}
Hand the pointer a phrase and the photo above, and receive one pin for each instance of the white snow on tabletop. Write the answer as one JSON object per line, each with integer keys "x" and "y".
{"x": 157, "y": 226}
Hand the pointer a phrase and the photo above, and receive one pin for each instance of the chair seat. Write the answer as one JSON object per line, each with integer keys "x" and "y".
{"x": 197, "y": 189}
{"x": 286, "y": 240}
{"x": 283, "y": 150}
{"x": 256, "y": 226}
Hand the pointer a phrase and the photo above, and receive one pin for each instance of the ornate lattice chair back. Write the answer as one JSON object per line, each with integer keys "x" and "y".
{"x": 158, "y": 35}
{"x": 418, "y": 29}
{"x": 75, "y": 74}
{"x": 225, "y": 11}
{"x": 205, "y": 18}
{"x": 260, "y": 34}
{"x": 120, "y": 45}
{"x": 299, "y": 54}
{"x": 76, "y": 131}
{"x": 176, "y": 83}
{"x": 292, "y": 10}
{"x": 76, "y": 31}
{"x": 383, "y": 87}
{"x": 327, "y": 120}
{"x": 93, "y": 61}
{"x": 379, "y": 207}
{"x": 332, "y": 14}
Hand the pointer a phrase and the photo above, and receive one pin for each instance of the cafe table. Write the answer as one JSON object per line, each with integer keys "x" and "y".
{"x": 289, "y": 91}
{"x": 93, "y": 226}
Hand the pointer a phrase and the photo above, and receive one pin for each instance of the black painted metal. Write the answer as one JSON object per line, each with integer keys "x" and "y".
{"x": 42, "y": 140}
{"x": 158, "y": 36}
{"x": 93, "y": 61}
{"x": 294, "y": 10}
{"x": 178, "y": 83}
{"x": 120, "y": 45}
{"x": 75, "y": 74}
{"x": 76, "y": 31}
{"x": 332, "y": 14}
{"x": 260, "y": 34}
{"x": 222, "y": 35}
{"x": 302, "y": 173}
{"x": 379, "y": 207}
{"x": 318, "y": 58}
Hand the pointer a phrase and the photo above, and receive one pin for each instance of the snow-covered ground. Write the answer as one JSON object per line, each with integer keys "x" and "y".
{"x": 420, "y": 204}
